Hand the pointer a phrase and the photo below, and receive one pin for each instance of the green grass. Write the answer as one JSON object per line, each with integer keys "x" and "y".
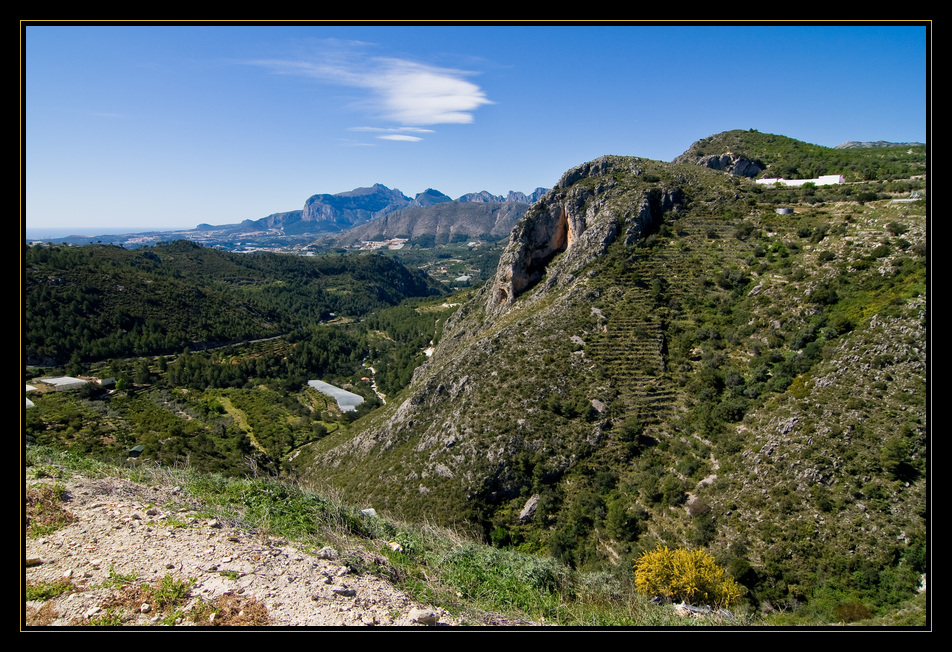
{"x": 169, "y": 591}
{"x": 110, "y": 618}
{"x": 44, "y": 510}
{"x": 118, "y": 580}
{"x": 46, "y": 590}
{"x": 434, "y": 565}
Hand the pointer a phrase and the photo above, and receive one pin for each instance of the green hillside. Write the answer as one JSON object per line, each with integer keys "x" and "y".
{"x": 778, "y": 156}
{"x": 95, "y": 302}
{"x": 667, "y": 354}
{"x": 691, "y": 369}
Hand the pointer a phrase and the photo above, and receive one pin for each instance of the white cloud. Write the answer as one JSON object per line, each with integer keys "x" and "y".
{"x": 406, "y": 92}
{"x": 411, "y": 139}
{"x": 415, "y": 130}
{"x": 416, "y": 94}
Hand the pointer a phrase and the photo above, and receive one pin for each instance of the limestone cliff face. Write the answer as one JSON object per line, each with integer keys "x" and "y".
{"x": 451, "y": 437}
{"x": 546, "y": 232}
{"x": 347, "y": 209}
{"x": 578, "y": 220}
{"x": 727, "y": 162}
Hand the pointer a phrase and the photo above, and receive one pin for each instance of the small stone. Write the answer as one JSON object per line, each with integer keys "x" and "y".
{"x": 423, "y": 616}
{"x": 327, "y": 553}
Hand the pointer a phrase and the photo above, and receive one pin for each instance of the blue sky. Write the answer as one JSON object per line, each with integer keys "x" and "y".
{"x": 175, "y": 125}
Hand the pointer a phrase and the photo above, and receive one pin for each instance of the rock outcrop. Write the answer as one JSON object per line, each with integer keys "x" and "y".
{"x": 429, "y": 197}
{"x": 570, "y": 213}
{"x": 432, "y": 446}
{"x": 513, "y": 196}
{"x": 727, "y": 162}
{"x": 348, "y": 209}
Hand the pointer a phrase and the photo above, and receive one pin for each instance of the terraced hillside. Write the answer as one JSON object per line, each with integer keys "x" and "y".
{"x": 662, "y": 357}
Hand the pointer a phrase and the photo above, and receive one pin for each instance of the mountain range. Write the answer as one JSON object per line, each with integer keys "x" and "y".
{"x": 330, "y": 214}
{"x": 375, "y": 212}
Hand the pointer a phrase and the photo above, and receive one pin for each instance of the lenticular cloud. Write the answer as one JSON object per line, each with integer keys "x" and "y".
{"x": 413, "y": 94}
{"x": 405, "y": 92}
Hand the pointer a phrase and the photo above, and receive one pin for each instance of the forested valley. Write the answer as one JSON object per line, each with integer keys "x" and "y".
{"x": 211, "y": 352}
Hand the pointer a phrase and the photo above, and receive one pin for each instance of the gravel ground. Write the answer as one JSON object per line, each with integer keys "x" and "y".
{"x": 120, "y": 533}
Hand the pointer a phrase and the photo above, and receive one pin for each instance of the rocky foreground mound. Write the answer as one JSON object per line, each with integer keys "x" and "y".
{"x": 127, "y": 561}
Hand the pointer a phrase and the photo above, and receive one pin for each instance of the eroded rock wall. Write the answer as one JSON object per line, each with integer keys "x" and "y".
{"x": 577, "y": 218}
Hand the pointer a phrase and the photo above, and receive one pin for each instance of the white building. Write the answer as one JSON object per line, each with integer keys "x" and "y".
{"x": 346, "y": 401}
{"x": 825, "y": 180}
{"x": 62, "y": 383}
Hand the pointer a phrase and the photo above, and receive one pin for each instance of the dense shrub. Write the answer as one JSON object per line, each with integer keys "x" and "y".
{"x": 851, "y": 612}
{"x": 690, "y": 576}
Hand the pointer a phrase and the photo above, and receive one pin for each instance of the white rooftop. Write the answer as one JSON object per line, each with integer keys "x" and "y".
{"x": 61, "y": 380}
{"x": 346, "y": 401}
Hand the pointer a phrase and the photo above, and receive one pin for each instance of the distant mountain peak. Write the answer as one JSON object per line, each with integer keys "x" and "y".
{"x": 429, "y": 197}
{"x": 852, "y": 144}
{"x": 513, "y": 196}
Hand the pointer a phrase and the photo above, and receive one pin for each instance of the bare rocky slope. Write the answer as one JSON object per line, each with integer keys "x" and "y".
{"x": 135, "y": 555}
{"x": 125, "y": 535}
{"x": 444, "y": 222}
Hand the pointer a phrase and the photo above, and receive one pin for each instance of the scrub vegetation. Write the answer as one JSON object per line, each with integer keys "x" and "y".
{"x": 734, "y": 380}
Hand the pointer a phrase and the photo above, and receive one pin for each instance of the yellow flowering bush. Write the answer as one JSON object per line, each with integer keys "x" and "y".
{"x": 690, "y": 576}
